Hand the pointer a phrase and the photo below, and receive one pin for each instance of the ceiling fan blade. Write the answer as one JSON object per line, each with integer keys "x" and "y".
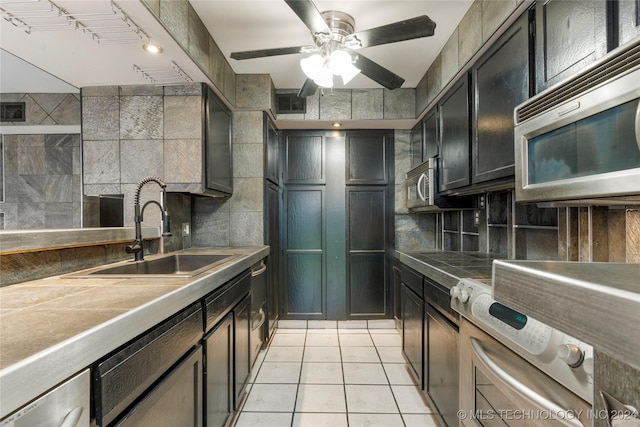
{"x": 262, "y": 53}
{"x": 414, "y": 28}
{"x": 308, "y": 88}
{"x": 377, "y": 72}
{"x": 310, "y": 16}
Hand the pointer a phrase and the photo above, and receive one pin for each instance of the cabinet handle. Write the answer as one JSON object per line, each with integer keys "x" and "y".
{"x": 72, "y": 418}
{"x": 263, "y": 317}
{"x": 521, "y": 389}
{"x": 259, "y": 271}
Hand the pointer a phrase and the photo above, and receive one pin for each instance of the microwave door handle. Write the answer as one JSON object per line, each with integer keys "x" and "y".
{"x": 638, "y": 125}
{"x": 524, "y": 391}
{"x": 420, "y": 192}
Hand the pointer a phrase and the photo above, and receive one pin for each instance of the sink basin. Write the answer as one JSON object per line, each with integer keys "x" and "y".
{"x": 175, "y": 265}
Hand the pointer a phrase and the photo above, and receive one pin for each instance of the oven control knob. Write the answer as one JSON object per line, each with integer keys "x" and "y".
{"x": 571, "y": 354}
{"x": 464, "y": 296}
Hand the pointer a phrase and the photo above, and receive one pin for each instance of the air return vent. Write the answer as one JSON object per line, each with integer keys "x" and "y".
{"x": 290, "y": 103}
{"x": 12, "y": 111}
{"x": 614, "y": 65}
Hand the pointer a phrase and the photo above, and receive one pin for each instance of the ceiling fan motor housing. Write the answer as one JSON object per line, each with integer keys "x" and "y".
{"x": 340, "y": 23}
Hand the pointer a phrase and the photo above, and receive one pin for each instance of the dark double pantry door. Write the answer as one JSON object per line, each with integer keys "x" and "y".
{"x": 337, "y": 217}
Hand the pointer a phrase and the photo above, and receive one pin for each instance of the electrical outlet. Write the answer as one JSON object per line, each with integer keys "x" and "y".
{"x": 185, "y": 229}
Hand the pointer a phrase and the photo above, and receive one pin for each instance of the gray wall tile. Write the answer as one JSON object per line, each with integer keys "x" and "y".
{"x": 141, "y": 90}
{"x": 141, "y": 117}
{"x": 246, "y": 229}
{"x": 174, "y": 14}
{"x": 248, "y": 127}
{"x": 179, "y": 164}
{"x": 99, "y": 91}
{"x": 101, "y": 162}
{"x": 367, "y": 104}
{"x": 198, "y": 40}
{"x": 399, "y": 104}
{"x": 449, "y": 56}
{"x": 100, "y": 118}
{"x": 194, "y": 89}
{"x": 253, "y": 91}
{"x": 140, "y": 158}
{"x": 67, "y": 112}
{"x": 494, "y": 13}
{"x": 434, "y": 79}
{"x": 248, "y": 161}
{"x": 335, "y": 105}
{"x": 181, "y": 115}
{"x": 470, "y": 33}
{"x": 247, "y": 195}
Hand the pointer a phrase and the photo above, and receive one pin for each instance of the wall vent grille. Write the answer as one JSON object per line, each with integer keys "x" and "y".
{"x": 12, "y": 111}
{"x": 614, "y": 66}
{"x": 290, "y": 103}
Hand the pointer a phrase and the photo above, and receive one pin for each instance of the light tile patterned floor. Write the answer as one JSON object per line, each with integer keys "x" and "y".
{"x": 334, "y": 378}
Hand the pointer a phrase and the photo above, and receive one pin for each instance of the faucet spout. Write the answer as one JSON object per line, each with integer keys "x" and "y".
{"x": 137, "y": 247}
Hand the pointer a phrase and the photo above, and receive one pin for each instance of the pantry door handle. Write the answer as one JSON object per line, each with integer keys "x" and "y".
{"x": 562, "y": 415}
{"x": 260, "y": 270}
{"x": 638, "y": 125}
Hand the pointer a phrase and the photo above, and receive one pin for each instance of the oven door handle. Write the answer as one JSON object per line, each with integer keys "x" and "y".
{"x": 562, "y": 415}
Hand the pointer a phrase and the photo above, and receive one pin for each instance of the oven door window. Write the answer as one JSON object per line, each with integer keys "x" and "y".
{"x": 602, "y": 143}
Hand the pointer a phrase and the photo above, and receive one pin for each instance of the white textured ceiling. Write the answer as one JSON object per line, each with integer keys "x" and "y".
{"x": 236, "y": 25}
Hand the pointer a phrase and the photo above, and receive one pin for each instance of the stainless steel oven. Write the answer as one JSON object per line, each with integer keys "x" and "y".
{"x": 420, "y": 185}
{"x": 515, "y": 370}
{"x": 580, "y": 139}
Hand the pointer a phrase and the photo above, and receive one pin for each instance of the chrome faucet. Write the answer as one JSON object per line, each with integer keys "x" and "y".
{"x": 137, "y": 247}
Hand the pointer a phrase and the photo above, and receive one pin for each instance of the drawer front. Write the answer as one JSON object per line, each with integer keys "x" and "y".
{"x": 124, "y": 376}
{"x": 218, "y": 304}
{"x": 412, "y": 279}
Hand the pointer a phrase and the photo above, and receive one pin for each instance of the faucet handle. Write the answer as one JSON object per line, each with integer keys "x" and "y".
{"x": 134, "y": 248}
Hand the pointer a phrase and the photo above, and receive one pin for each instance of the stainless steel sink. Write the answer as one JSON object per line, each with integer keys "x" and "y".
{"x": 174, "y": 265}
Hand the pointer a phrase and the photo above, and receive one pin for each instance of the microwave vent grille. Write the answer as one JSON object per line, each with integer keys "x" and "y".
{"x": 614, "y": 66}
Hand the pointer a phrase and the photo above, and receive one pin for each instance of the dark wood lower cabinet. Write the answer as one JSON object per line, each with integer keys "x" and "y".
{"x": 412, "y": 307}
{"x": 218, "y": 345}
{"x": 175, "y": 401}
{"x": 242, "y": 348}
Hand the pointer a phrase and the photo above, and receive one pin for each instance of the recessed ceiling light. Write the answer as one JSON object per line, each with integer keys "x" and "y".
{"x": 152, "y": 48}
{"x": 336, "y": 125}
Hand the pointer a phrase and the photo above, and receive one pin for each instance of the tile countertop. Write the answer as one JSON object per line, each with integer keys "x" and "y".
{"x": 52, "y": 328}
{"x": 446, "y": 268}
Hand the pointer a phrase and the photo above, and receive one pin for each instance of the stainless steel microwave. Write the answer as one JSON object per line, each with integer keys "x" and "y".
{"x": 420, "y": 185}
{"x": 580, "y": 139}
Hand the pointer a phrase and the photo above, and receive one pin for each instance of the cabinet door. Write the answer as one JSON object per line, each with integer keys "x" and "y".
{"x": 219, "y": 373}
{"x": 175, "y": 401}
{"x": 304, "y": 159}
{"x": 416, "y": 145}
{"x": 366, "y": 159}
{"x": 271, "y": 151}
{"x": 272, "y": 238}
{"x": 241, "y": 348}
{"x": 442, "y": 361}
{"x": 570, "y": 34}
{"x": 454, "y": 170}
{"x": 501, "y": 82}
{"x": 431, "y": 132}
{"x": 412, "y": 332}
{"x": 218, "y": 147}
{"x": 366, "y": 248}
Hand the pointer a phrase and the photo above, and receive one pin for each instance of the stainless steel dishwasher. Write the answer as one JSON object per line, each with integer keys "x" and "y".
{"x": 65, "y": 406}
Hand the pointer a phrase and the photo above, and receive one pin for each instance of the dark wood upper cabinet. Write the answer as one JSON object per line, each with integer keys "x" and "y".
{"x": 366, "y": 159}
{"x": 271, "y": 151}
{"x": 500, "y": 83}
{"x": 304, "y": 159}
{"x": 416, "y": 145}
{"x": 454, "y": 164}
{"x": 430, "y": 141}
{"x": 570, "y": 34}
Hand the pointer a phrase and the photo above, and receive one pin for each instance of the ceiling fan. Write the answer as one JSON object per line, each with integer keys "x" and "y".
{"x": 335, "y": 51}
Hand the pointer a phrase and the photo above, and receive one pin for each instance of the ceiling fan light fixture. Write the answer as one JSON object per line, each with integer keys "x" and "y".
{"x": 315, "y": 68}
